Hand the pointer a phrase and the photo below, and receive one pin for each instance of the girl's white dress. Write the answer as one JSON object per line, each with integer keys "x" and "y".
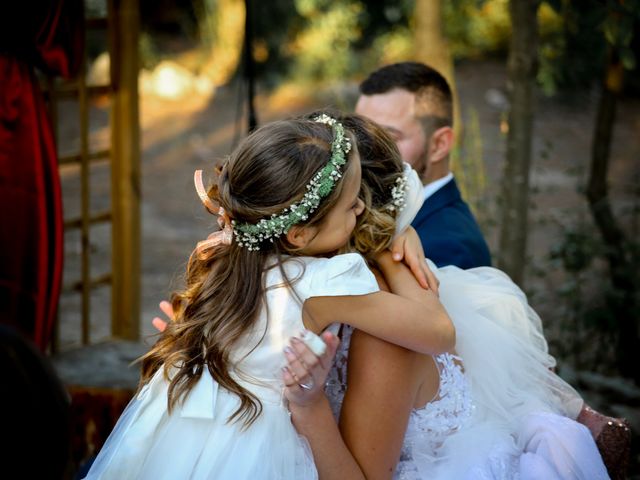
{"x": 195, "y": 441}
{"x": 500, "y": 412}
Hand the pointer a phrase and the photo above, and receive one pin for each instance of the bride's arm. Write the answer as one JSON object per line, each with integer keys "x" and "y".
{"x": 382, "y": 388}
{"x": 375, "y": 411}
{"x": 332, "y": 457}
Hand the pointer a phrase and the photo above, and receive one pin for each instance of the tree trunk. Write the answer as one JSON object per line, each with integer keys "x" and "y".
{"x": 432, "y": 49}
{"x": 521, "y": 69}
{"x": 623, "y": 277}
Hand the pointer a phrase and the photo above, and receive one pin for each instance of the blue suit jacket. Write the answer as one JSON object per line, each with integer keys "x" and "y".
{"x": 449, "y": 233}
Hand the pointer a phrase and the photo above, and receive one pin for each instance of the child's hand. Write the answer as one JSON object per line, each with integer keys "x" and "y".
{"x": 305, "y": 374}
{"x": 159, "y": 323}
{"x": 408, "y": 247}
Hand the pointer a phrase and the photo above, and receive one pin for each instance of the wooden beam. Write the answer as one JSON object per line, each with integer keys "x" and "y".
{"x": 69, "y": 90}
{"x": 102, "y": 217}
{"x": 125, "y": 173}
{"x": 104, "y": 279}
{"x": 101, "y": 155}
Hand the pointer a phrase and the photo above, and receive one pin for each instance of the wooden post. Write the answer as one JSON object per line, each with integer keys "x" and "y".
{"x": 432, "y": 48}
{"x": 85, "y": 228}
{"x": 125, "y": 170}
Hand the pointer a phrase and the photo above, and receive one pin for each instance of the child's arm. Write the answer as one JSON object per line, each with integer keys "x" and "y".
{"x": 410, "y": 317}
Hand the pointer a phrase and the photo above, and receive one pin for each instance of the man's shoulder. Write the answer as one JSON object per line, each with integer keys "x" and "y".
{"x": 450, "y": 234}
{"x": 443, "y": 206}
{"x": 454, "y": 220}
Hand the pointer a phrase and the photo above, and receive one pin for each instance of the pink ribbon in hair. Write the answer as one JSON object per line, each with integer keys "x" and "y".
{"x": 225, "y": 234}
{"x": 202, "y": 193}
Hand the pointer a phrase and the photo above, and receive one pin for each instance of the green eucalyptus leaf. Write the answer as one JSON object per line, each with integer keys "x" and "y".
{"x": 628, "y": 58}
{"x": 610, "y": 29}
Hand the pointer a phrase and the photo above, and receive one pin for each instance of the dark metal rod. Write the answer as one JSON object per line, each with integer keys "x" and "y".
{"x": 249, "y": 68}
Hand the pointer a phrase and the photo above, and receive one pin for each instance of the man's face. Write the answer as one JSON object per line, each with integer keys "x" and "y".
{"x": 394, "y": 111}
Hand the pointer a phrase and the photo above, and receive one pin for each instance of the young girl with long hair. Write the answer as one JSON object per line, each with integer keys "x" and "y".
{"x": 210, "y": 403}
{"x": 491, "y": 408}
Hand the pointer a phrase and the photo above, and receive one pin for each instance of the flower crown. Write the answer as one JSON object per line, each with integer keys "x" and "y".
{"x": 250, "y": 235}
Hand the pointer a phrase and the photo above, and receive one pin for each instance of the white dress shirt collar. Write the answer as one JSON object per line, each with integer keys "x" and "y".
{"x": 431, "y": 188}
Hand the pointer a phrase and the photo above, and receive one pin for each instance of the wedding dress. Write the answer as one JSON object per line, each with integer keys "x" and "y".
{"x": 500, "y": 412}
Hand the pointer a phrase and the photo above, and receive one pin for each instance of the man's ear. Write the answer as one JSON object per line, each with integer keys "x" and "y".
{"x": 440, "y": 144}
{"x": 299, "y": 235}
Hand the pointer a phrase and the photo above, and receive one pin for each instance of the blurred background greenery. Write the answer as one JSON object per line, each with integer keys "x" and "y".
{"x": 323, "y": 41}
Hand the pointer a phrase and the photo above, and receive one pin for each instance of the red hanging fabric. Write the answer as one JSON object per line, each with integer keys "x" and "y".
{"x": 47, "y": 36}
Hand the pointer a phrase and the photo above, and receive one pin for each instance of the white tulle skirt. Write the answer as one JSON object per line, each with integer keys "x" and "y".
{"x": 196, "y": 442}
{"x": 522, "y": 424}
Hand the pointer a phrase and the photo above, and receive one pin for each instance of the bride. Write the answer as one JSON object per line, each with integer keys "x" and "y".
{"x": 491, "y": 409}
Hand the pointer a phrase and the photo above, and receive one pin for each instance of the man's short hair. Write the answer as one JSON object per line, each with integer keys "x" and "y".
{"x": 434, "y": 102}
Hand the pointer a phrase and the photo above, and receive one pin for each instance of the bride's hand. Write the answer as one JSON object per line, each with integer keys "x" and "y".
{"x": 408, "y": 247}
{"x": 305, "y": 374}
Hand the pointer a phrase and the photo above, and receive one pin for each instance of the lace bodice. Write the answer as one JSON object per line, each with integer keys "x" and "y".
{"x": 336, "y": 384}
{"x": 428, "y": 426}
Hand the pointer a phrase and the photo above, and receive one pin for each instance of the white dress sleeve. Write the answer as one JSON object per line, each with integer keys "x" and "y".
{"x": 346, "y": 274}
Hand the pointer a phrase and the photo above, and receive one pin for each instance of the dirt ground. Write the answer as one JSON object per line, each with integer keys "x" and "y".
{"x": 183, "y": 135}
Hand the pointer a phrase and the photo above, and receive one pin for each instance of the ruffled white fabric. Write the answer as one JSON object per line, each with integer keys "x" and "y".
{"x": 195, "y": 441}
{"x": 521, "y": 423}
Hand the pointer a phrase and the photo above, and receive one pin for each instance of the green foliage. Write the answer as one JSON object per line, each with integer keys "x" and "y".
{"x": 330, "y": 41}
{"x": 273, "y": 64}
{"x": 576, "y": 250}
{"x": 395, "y": 45}
{"x": 588, "y": 304}
{"x": 573, "y": 56}
{"x": 574, "y": 36}
{"x": 95, "y": 8}
{"x": 207, "y": 18}
{"x": 476, "y": 27}
{"x": 322, "y": 50}
{"x": 148, "y": 50}
{"x": 618, "y": 29}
